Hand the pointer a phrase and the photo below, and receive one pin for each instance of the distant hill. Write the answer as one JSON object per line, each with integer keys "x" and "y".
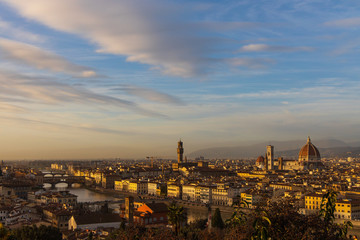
{"x": 327, "y": 148}
{"x": 354, "y": 144}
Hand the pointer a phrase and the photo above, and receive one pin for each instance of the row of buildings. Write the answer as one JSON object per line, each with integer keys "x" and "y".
{"x": 217, "y": 194}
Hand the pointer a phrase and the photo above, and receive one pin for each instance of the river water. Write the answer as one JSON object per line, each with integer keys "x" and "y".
{"x": 84, "y": 195}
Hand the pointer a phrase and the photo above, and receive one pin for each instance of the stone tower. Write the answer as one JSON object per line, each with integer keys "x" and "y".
{"x": 180, "y": 151}
{"x": 129, "y": 209}
{"x": 270, "y": 157}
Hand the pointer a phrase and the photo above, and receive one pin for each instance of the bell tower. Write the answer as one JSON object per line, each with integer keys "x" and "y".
{"x": 129, "y": 209}
{"x": 270, "y": 156}
{"x": 180, "y": 151}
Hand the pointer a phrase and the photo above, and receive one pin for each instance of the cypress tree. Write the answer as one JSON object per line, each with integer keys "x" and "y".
{"x": 216, "y": 221}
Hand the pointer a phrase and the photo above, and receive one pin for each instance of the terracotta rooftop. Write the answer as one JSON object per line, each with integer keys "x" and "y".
{"x": 97, "y": 218}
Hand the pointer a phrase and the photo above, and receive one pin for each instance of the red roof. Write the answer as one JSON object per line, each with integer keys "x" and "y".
{"x": 260, "y": 159}
{"x": 309, "y": 150}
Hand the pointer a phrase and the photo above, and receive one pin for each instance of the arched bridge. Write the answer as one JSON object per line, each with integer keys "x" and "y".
{"x": 64, "y": 179}
{"x": 55, "y": 173}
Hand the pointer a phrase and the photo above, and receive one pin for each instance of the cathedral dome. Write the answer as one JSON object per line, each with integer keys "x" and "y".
{"x": 309, "y": 152}
{"x": 260, "y": 160}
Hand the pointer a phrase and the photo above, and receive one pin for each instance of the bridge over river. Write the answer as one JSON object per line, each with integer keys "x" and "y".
{"x": 54, "y": 178}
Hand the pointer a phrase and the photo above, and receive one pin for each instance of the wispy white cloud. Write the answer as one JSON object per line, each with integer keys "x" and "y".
{"x": 148, "y": 32}
{"x": 272, "y": 48}
{"x": 150, "y": 94}
{"x": 347, "y": 90}
{"x": 41, "y": 59}
{"x": 10, "y": 30}
{"x": 255, "y": 63}
{"x": 61, "y": 126}
{"x": 346, "y": 22}
{"x": 5, "y": 107}
{"x": 47, "y": 91}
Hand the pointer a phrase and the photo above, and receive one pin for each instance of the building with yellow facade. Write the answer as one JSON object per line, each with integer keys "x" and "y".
{"x": 174, "y": 190}
{"x": 347, "y": 209}
{"x": 250, "y": 199}
{"x": 139, "y": 187}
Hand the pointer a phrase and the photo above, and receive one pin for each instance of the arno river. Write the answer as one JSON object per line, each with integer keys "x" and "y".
{"x": 84, "y": 195}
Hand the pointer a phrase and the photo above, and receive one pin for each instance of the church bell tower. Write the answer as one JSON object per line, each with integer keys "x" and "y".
{"x": 180, "y": 151}
{"x": 270, "y": 157}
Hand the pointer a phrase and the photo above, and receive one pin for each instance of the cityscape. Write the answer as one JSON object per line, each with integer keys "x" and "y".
{"x": 95, "y": 198}
{"x": 177, "y": 120}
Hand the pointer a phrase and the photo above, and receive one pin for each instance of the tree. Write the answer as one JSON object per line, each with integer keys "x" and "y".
{"x": 327, "y": 210}
{"x": 238, "y": 217}
{"x": 193, "y": 230}
{"x": 216, "y": 221}
{"x": 261, "y": 227}
{"x": 37, "y": 233}
{"x": 343, "y": 229}
{"x": 328, "y": 205}
{"x": 4, "y": 233}
{"x": 105, "y": 208}
{"x": 122, "y": 225}
{"x": 91, "y": 236}
{"x": 176, "y": 216}
{"x": 137, "y": 232}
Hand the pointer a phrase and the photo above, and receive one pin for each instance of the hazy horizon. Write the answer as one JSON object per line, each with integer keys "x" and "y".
{"x": 166, "y": 153}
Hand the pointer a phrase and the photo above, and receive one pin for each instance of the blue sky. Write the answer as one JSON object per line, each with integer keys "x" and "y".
{"x": 98, "y": 79}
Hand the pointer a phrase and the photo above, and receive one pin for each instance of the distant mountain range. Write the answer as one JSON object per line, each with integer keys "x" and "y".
{"x": 288, "y": 149}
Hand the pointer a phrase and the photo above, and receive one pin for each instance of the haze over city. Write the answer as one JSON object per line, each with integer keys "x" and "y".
{"x": 91, "y": 79}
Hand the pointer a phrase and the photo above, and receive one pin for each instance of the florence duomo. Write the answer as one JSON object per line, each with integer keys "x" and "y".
{"x": 309, "y": 159}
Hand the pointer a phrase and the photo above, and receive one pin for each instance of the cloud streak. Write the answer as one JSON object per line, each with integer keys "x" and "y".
{"x": 11, "y": 108}
{"x": 10, "y": 30}
{"x": 36, "y": 57}
{"x": 153, "y": 33}
{"x": 28, "y": 121}
{"x": 46, "y": 91}
{"x": 150, "y": 94}
{"x": 272, "y": 48}
{"x": 346, "y": 22}
{"x": 255, "y": 63}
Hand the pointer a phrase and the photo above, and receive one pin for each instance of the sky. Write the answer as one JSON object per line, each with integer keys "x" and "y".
{"x": 91, "y": 79}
